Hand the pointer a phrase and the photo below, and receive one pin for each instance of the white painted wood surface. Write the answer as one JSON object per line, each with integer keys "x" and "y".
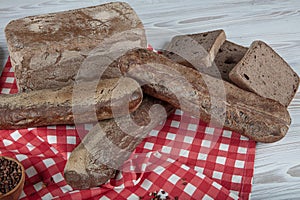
{"x": 277, "y": 165}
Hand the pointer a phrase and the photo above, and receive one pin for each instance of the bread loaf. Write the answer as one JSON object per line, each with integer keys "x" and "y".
{"x": 195, "y": 50}
{"x": 87, "y": 102}
{"x": 260, "y": 119}
{"x": 265, "y": 73}
{"x": 91, "y": 164}
{"x": 47, "y": 50}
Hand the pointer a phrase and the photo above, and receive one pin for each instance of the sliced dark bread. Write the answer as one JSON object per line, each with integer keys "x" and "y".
{"x": 265, "y": 73}
{"x": 228, "y": 56}
{"x": 176, "y": 58}
{"x": 195, "y": 50}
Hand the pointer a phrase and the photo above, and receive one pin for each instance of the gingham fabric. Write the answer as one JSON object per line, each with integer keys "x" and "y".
{"x": 180, "y": 159}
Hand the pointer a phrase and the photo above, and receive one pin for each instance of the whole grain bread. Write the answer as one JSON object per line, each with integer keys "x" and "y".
{"x": 195, "y": 50}
{"x": 227, "y": 57}
{"x": 91, "y": 164}
{"x": 206, "y": 97}
{"x": 47, "y": 50}
{"x": 84, "y": 103}
{"x": 265, "y": 73}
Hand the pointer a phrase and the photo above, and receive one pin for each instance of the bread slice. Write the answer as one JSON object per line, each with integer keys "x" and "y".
{"x": 176, "y": 58}
{"x": 265, "y": 73}
{"x": 228, "y": 56}
{"x": 195, "y": 50}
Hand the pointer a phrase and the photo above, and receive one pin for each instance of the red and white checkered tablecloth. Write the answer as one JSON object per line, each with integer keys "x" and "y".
{"x": 197, "y": 162}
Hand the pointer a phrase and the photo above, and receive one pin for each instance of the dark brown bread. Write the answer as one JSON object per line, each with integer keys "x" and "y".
{"x": 261, "y": 119}
{"x": 91, "y": 164}
{"x": 46, "y": 51}
{"x": 265, "y": 73}
{"x": 195, "y": 50}
{"x": 177, "y": 58}
{"x": 228, "y": 56}
{"x": 87, "y": 102}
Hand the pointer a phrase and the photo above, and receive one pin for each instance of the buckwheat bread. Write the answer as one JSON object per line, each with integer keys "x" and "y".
{"x": 211, "y": 99}
{"x": 195, "y": 50}
{"x": 177, "y": 58}
{"x": 47, "y": 50}
{"x": 227, "y": 57}
{"x": 87, "y": 102}
{"x": 91, "y": 164}
{"x": 265, "y": 73}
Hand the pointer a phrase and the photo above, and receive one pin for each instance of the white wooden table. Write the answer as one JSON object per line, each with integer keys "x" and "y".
{"x": 277, "y": 165}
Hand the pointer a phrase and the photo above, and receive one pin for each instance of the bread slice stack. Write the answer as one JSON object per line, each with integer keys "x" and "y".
{"x": 228, "y": 56}
{"x": 258, "y": 69}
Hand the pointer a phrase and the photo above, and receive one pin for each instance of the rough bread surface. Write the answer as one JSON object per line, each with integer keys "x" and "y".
{"x": 228, "y": 56}
{"x": 211, "y": 99}
{"x": 46, "y": 51}
{"x": 110, "y": 143}
{"x": 195, "y": 50}
{"x": 265, "y": 73}
{"x": 85, "y": 102}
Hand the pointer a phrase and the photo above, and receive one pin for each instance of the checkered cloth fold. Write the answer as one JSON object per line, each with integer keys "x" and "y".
{"x": 183, "y": 158}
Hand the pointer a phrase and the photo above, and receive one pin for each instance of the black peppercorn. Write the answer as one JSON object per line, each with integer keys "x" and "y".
{"x": 10, "y": 175}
